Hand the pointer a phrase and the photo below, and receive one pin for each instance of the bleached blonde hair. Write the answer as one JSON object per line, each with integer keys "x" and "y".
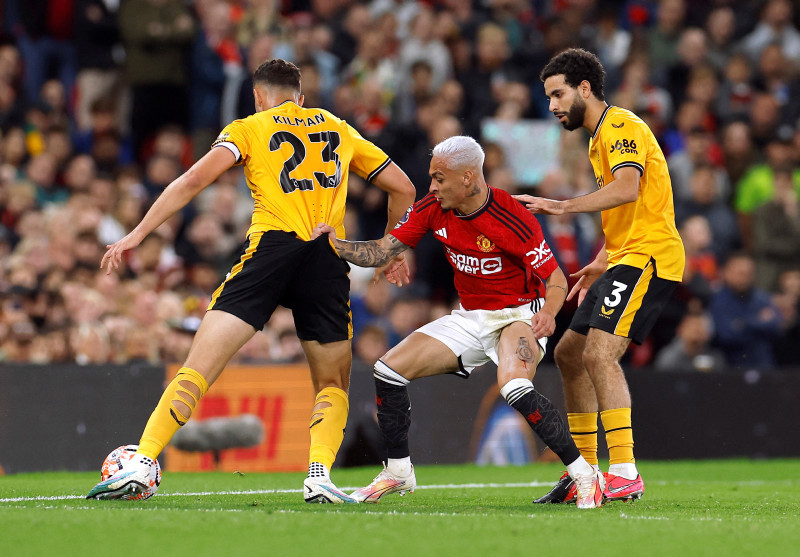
{"x": 460, "y": 151}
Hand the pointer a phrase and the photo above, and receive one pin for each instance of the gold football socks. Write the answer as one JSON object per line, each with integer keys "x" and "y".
{"x": 327, "y": 425}
{"x": 619, "y": 435}
{"x": 168, "y": 416}
{"x": 583, "y": 427}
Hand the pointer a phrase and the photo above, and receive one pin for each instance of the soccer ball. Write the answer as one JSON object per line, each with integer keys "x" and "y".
{"x": 117, "y": 461}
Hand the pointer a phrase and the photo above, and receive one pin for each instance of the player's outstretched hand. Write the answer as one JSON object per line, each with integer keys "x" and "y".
{"x": 543, "y": 324}
{"x": 540, "y": 205}
{"x": 396, "y": 272}
{"x": 586, "y": 278}
{"x": 323, "y": 228}
{"x": 113, "y": 255}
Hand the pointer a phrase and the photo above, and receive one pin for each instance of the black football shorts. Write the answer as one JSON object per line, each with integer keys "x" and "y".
{"x": 277, "y": 268}
{"x": 625, "y": 301}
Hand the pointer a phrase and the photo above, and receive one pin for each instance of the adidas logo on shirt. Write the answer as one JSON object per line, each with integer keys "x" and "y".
{"x": 441, "y": 232}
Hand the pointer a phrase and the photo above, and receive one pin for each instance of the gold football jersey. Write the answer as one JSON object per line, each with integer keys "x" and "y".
{"x": 645, "y": 228}
{"x": 296, "y": 162}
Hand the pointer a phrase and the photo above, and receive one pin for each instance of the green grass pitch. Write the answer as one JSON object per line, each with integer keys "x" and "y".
{"x": 730, "y": 508}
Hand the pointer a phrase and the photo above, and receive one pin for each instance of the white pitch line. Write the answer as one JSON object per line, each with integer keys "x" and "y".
{"x": 274, "y": 491}
{"x": 350, "y": 488}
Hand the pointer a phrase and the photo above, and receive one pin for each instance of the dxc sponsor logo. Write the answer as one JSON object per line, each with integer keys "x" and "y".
{"x": 541, "y": 254}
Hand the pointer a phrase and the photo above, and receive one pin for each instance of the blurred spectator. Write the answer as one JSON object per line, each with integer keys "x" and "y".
{"x": 764, "y": 117}
{"x": 418, "y": 89}
{"x": 787, "y": 300}
{"x": 346, "y": 39}
{"x": 372, "y": 65}
{"x": 738, "y": 151}
{"x": 697, "y": 152}
{"x": 258, "y": 52}
{"x": 259, "y": 350}
{"x": 424, "y": 45}
{"x": 692, "y": 53}
{"x": 178, "y": 340}
{"x": 79, "y": 173}
{"x": 260, "y": 18}
{"x": 304, "y": 48}
{"x": 41, "y": 171}
{"x": 691, "y": 349}
{"x": 45, "y": 33}
{"x": 490, "y": 72}
{"x": 636, "y": 92}
{"x": 217, "y": 65}
{"x": 370, "y": 345}
{"x": 720, "y": 33}
{"x": 745, "y": 320}
{"x": 160, "y": 171}
{"x": 774, "y": 26}
{"x": 663, "y": 38}
{"x": 157, "y": 35}
{"x": 58, "y": 144}
{"x": 54, "y": 96}
{"x": 289, "y": 350}
{"x": 758, "y": 184}
{"x": 369, "y": 306}
{"x": 611, "y": 43}
{"x": 776, "y": 232}
{"x": 690, "y": 114}
{"x": 11, "y": 94}
{"x": 371, "y": 115}
{"x": 736, "y": 91}
{"x": 405, "y": 316}
{"x": 697, "y": 241}
{"x": 102, "y": 128}
{"x": 703, "y": 201}
{"x": 13, "y": 153}
{"x": 99, "y": 57}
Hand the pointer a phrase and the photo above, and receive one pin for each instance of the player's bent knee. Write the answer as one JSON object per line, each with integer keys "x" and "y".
{"x": 384, "y": 372}
{"x": 595, "y": 359}
{"x": 567, "y": 359}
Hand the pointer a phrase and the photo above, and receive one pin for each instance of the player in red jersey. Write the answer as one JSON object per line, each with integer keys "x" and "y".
{"x": 510, "y": 288}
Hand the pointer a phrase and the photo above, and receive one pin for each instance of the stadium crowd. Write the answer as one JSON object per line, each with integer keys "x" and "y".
{"x": 104, "y": 102}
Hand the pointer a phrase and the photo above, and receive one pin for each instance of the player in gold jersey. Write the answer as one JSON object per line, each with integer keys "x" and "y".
{"x": 622, "y": 292}
{"x": 296, "y": 161}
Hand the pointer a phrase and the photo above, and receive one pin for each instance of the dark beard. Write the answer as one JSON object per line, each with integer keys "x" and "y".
{"x": 575, "y": 116}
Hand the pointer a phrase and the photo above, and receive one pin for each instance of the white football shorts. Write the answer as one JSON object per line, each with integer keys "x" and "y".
{"x": 473, "y": 335}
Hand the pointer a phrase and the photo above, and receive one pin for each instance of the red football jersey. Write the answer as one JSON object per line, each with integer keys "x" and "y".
{"x": 498, "y": 252}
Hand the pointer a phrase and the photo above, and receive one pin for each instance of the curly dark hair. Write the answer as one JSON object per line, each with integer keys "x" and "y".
{"x": 278, "y": 73}
{"x": 577, "y": 65}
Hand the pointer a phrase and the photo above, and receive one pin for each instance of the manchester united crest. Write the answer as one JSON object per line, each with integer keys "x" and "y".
{"x": 485, "y": 244}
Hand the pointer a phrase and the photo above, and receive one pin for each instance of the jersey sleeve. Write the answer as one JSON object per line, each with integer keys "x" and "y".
{"x": 416, "y": 222}
{"x": 539, "y": 259}
{"x": 235, "y": 138}
{"x": 537, "y": 256}
{"x": 625, "y": 142}
{"x": 368, "y": 160}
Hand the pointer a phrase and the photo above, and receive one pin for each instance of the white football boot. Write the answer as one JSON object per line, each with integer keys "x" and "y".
{"x": 133, "y": 479}
{"x": 318, "y": 488}
{"x": 386, "y": 482}
{"x": 589, "y": 488}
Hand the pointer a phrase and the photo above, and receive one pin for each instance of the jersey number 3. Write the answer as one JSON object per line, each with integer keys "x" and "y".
{"x": 329, "y": 154}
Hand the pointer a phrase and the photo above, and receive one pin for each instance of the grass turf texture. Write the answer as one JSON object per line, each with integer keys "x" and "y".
{"x": 731, "y": 507}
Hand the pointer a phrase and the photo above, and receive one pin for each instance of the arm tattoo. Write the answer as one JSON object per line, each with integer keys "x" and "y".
{"x": 372, "y": 253}
{"x": 557, "y": 286}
